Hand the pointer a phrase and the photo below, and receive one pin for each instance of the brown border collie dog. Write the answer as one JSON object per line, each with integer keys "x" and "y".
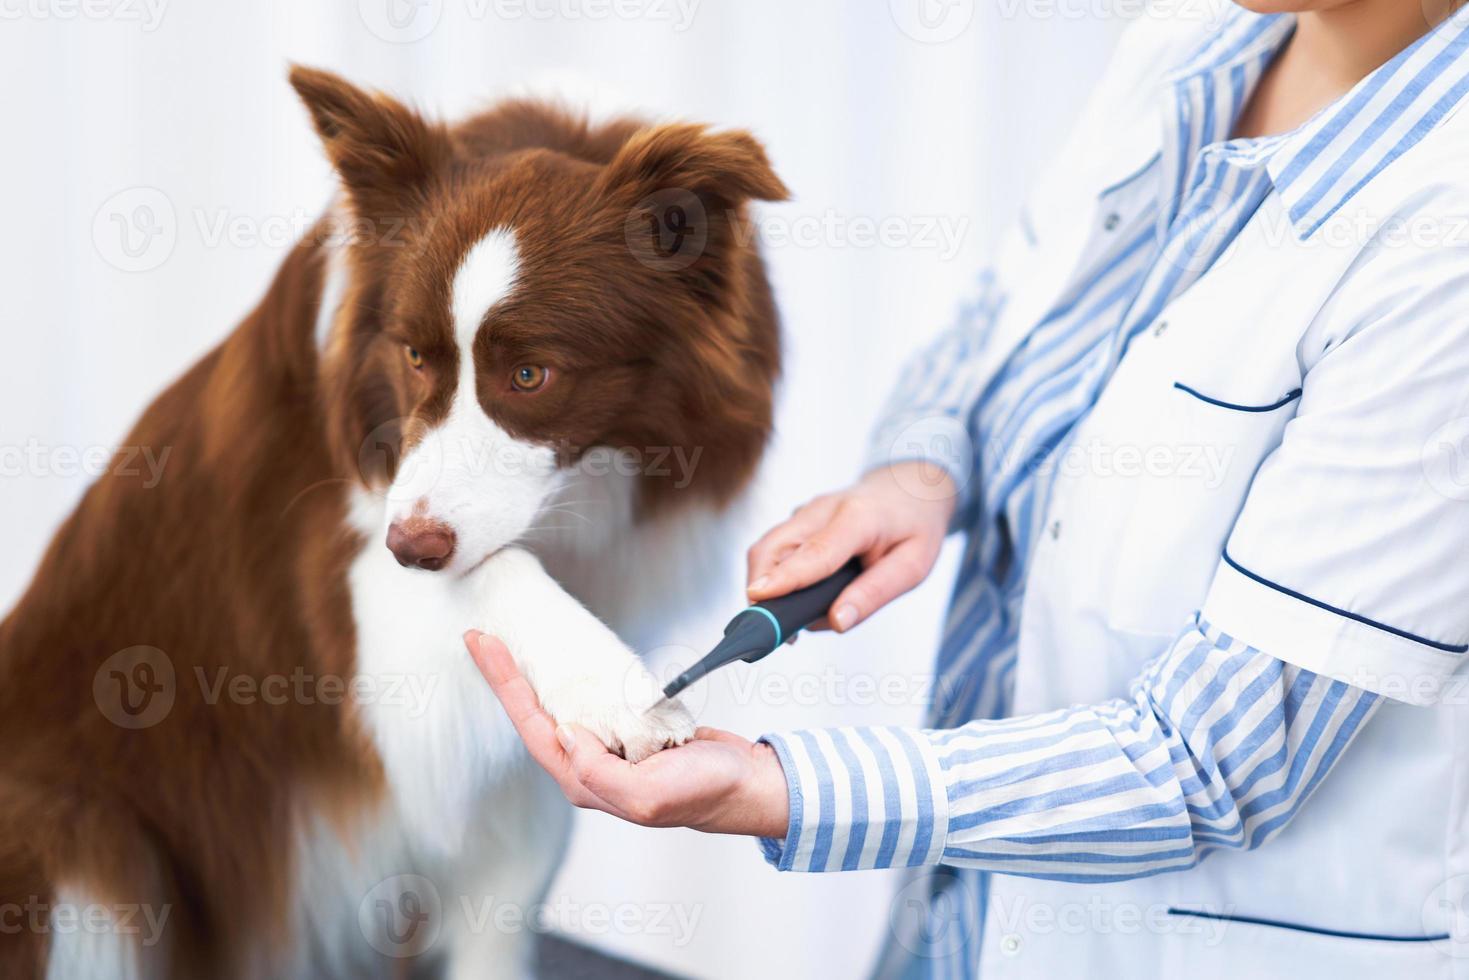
{"x": 241, "y": 736}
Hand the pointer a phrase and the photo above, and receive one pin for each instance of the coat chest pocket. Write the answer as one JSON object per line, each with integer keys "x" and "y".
{"x": 1202, "y": 448}
{"x": 1235, "y": 946}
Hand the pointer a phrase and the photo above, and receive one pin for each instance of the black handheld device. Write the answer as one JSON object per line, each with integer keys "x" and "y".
{"x": 760, "y": 629}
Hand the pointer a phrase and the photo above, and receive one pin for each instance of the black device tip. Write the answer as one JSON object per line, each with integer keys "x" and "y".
{"x": 748, "y": 638}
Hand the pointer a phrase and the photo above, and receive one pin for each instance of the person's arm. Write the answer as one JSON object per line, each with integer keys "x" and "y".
{"x": 1217, "y": 746}
{"x": 1342, "y": 582}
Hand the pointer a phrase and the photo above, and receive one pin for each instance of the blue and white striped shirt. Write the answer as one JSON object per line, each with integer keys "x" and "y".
{"x": 1217, "y": 744}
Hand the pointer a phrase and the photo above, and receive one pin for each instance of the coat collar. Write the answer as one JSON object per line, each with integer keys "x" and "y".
{"x": 1321, "y": 166}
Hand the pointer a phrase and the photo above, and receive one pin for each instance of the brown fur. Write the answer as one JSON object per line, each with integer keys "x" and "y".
{"x": 237, "y": 558}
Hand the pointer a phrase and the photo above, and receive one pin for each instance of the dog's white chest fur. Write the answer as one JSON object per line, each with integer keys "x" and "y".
{"x": 444, "y": 740}
{"x": 469, "y": 818}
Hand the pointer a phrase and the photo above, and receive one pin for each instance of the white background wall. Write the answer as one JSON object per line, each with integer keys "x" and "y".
{"x": 175, "y": 115}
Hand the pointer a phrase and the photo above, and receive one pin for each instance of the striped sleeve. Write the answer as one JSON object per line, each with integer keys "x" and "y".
{"x": 1217, "y": 746}
{"x": 928, "y": 415}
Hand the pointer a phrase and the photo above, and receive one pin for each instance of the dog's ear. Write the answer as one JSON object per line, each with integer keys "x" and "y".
{"x": 727, "y": 168}
{"x": 378, "y": 146}
{"x": 681, "y": 192}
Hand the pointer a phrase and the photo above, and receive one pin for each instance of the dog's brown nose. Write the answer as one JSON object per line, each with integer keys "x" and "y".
{"x": 421, "y": 543}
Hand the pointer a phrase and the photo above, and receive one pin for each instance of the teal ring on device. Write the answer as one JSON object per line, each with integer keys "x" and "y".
{"x": 779, "y": 637}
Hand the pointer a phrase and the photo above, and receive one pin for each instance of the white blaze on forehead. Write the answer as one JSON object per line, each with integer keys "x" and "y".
{"x": 485, "y": 277}
{"x": 468, "y": 472}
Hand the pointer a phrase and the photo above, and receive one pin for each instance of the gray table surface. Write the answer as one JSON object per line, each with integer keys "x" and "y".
{"x": 564, "y": 960}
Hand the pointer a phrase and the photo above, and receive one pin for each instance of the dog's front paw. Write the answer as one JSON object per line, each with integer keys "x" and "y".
{"x": 633, "y": 719}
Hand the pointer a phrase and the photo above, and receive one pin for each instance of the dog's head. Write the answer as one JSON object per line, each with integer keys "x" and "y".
{"x": 525, "y": 288}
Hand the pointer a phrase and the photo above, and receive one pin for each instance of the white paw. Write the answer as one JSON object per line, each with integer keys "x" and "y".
{"x": 632, "y": 719}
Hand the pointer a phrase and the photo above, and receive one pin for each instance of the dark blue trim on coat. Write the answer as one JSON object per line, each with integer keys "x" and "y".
{"x": 1314, "y": 930}
{"x": 1447, "y": 647}
{"x": 1289, "y": 397}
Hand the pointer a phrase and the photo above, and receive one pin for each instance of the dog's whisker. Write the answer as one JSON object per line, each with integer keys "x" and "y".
{"x": 572, "y": 513}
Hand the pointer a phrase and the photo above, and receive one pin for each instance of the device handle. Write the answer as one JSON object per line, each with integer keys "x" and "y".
{"x": 796, "y": 610}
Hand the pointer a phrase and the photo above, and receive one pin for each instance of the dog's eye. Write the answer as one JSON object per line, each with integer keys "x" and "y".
{"x": 414, "y": 357}
{"x": 529, "y": 377}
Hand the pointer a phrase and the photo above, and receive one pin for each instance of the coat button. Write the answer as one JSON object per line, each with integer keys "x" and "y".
{"x": 1112, "y": 221}
{"x": 1010, "y": 944}
{"x": 1158, "y": 330}
{"x": 1055, "y": 530}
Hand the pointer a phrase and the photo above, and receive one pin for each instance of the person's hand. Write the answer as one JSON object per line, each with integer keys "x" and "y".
{"x": 897, "y": 532}
{"x": 719, "y": 782}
